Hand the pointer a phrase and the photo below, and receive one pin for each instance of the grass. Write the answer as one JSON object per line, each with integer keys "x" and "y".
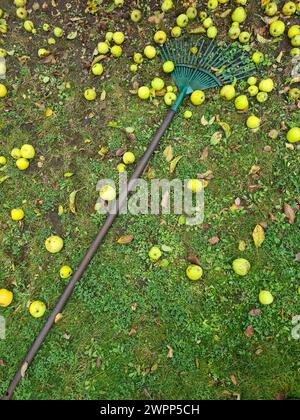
{"x": 127, "y": 312}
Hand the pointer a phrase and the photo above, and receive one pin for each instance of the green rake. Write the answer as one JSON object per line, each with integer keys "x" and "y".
{"x": 200, "y": 64}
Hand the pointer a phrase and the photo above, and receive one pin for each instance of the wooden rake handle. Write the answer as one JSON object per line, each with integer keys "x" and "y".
{"x": 88, "y": 257}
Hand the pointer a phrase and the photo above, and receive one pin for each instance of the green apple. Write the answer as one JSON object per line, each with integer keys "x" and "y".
{"x": 134, "y": 68}
{"x": 170, "y": 98}
{"x": 160, "y": 37}
{"x": 97, "y": 69}
{"x": 277, "y": 28}
{"x": 241, "y": 103}
{"x": 208, "y": 22}
{"x": 157, "y": 84}
{"x": 58, "y": 32}
{"x": 265, "y": 297}
{"x": 118, "y": 38}
{"x": 128, "y": 158}
{"x": 241, "y": 266}
{"x": 258, "y": 57}
{"x": 271, "y": 9}
{"x": 252, "y": 80}
{"x": 116, "y": 51}
{"x": 21, "y": 13}
{"x": 191, "y": 13}
{"x": 294, "y": 94}
{"x": 182, "y": 20}
{"x": 54, "y": 244}
{"x": 27, "y": 151}
{"x": 239, "y": 15}
{"x": 107, "y": 193}
{"x": 150, "y": 52}
{"x": 37, "y": 309}
{"x": 28, "y": 26}
{"x": 294, "y": 52}
{"x": 138, "y": 58}
{"x": 234, "y": 32}
{"x": 22, "y": 164}
{"x": 212, "y": 32}
{"x": 168, "y": 67}
{"x": 144, "y": 92}
{"x": 187, "y": 115}
{"x": 293, "y": 135}
{"x": 293, "y": 31}
{"x": 136, "y": 16}
{"x": 289, "y": 8}
{"x": 266, "y": 85}
{"x": 65, "y": 272}
{"x": 212, "y": 4}
{"x": 119, "y": 3}
{"x": 253, "y": 90}
{"x": 195, "y": 185}
{"x": 197, "y": 97}
{"x": 253, "y": 122}
{"x": 228, "y": 92}
{"x": 20, "y": 3}
{"x": 103, "y": 48}
{"x": 244, "y": 37}
{"x": 155, "y": 253}
{"x": 167, "y": 5}
{"x": 90, "y": 94}
{"x": 3, "y": 161}
{"x": 176, "y": 32}
{"x": 194, "y": 272}
{"x": 296, "y": 41}
{"x": 262, "y": 97}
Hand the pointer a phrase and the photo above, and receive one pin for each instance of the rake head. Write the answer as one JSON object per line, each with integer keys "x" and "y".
{"x": 202, "y": 64}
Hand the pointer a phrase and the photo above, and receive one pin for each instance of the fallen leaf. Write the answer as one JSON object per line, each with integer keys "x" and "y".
{"x": 214, "y": 240}
{"x": 133, "y": 331}
{"x": 249, "y": 331}
{"x": 254, "y": 170}
{"x": 258, "y": 236}
{"x": 233, "y": 380}
{"x": 123, "y": 240}
{"x": 290, "y": 213}
{"x": 255, "y": 312}
{"x": 174, "y": 163}
{"x": 204, "y": 155}
{"x": 72, "y": 200}
{"x": 193, "y": 259}
{"x": 3, "y": 179}
{"x": 170, "y": 352}
{"x": 24, "y": 368}
{"x": 216, "y": 138}
{"x": 226, "y": 127}
{"x": 168, "y": 153}
{"x": 58, "y": 318}
{"x": 297, "y": 257}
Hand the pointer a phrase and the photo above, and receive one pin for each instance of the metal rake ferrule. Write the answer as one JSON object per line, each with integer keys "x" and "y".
{"x": 202, "y": 64}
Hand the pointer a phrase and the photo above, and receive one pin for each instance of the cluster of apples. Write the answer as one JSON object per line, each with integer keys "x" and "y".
{"x": 104, "y": 48}
{"x": 277, "y": 27}
{"x": 22, "y": 156}
{"x": 261, "y": 92}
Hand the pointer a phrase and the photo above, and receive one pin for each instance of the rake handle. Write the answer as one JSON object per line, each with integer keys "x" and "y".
{"x": 89, "y": 255}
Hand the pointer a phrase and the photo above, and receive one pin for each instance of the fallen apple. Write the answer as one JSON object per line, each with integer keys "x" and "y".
{"x": 54, "y": 244}
{"x": 6, "y": 298}
{"x": 17, "y": 214}
{"x": 194, "y": 272}
{"x": 37, "y": 309}
{"x": 155, "y": 253}
{"x": 241, "y": 266}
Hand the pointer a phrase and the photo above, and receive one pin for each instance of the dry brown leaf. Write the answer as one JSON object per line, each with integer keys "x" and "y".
{"x": 24, "y": 368}
{"x": 249, "y": 331}
{"x": 297, "y": 257}
{"x": 126, "y": 239}
{"x": 290, "y": 213}
{"x": 214, "y": 240}
{"x": 204, "y": 155}
{"x": 174, "y": 163}
{"x": 168, "y": 153}
{"x": 193, "y": 259}
{"x": 233, "y": 380}
{"x": 170, "y": 352}
{"x": 254, "y": 170}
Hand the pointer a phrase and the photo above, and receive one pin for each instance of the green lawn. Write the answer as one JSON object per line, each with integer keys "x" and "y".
{"x": 134, "y": 329}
